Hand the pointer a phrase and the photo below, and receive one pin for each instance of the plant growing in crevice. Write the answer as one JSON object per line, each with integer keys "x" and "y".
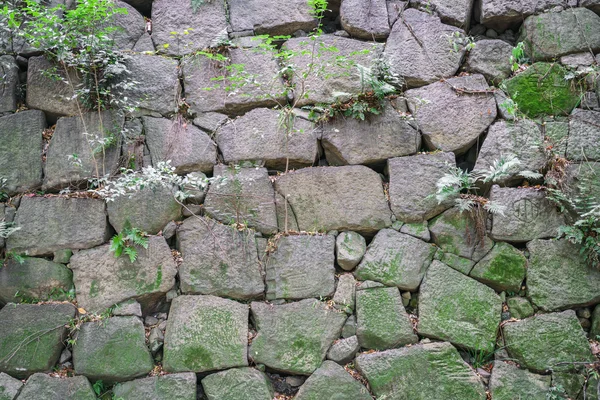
{"x": 127, "y": 241}
{"x": 518, "y": 57}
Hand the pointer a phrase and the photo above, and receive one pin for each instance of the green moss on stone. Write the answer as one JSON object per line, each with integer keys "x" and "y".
{"x": 543, "y": 90}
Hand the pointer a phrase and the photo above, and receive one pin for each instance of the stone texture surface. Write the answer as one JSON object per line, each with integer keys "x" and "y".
{"x": 9, "y": 71}
{"x": 502, "y": 269}
{"x": 503, "y": 14}
{"x": 167, "y": 387}
{"x": 102, "y": 280}
{"x": 519, "y": 307}
{"x": 273, "y": 18}
{"x": 584, "y": 133}
{"x": 42, "y": 386}
{"x": 538, "y": 343}
{"x": 242, "y": 196}
{"x": 449, "y": 119}
{"x": 35, "y": 278}
{"x": 113, "y": 350}
{"x": 157, "y": 82}
{"x": 31, "y": 337}
{"x": 218, "y": 260}
{"x": 53, "y": 96}
{"x": 75, "y": 224}
{"x": 301, "y": 267}
{"x": 409, "y": 199}
{"x": 509, "y": 382}
{"x": 129, "y": 27}
{"x": 238, "y": 384}
{"x": 558, "y": 276}
{"x": 490, "y": 58}
{"x": 457, "y": 13}
{"x": 9, "y": 387}
{"x": 331, "y": 381}
{"x": 460, "y": 264}
{"x": 522, "y": 139}
{"x": 381, "y": 320}
{"x": 371, "y": 25}
{"x": 206, "y": 91}
{"x": 259, "y": 136}
{"x": 420, "y": 372}
{"x": 80, "y": 136}
{"x": 326, "y": 75}
{"x": 285, "y": 342}
{"x": 205, "y": 25}
{"x": 336, "y": 198}
{"x": 373, "y": 141}
{"x": 350, "y": 247}
{"x": 418, "y": 229}
{"x": 456, "y": 233}
{"x": 459, "y": 309}
{"x": 188, "y": 148}
{"x": 554, "y": 34}
{"x": 545, "y": 82}
{"x": 345, "y": 293}
{"x": 205, "y": 333}
{"x": 343, "y": 350}
{"x": 149, "y": 209}
{"x": 528, "y": 215}
{"x": 396, "y": 259}
{"x": 20, "y": 161}
{"x": 418, "y": 48}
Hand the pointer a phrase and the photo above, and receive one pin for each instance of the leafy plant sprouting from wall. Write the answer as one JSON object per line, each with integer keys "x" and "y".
{"x": 127, "y": 241}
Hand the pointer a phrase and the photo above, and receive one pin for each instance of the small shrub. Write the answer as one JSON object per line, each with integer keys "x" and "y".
{"x": 127, "y": 240}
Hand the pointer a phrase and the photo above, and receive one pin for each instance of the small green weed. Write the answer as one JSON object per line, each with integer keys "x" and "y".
{"x": 127, "y": 240}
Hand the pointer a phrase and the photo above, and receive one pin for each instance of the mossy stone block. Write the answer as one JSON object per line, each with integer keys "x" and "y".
{"x": 543, "y": 90}
{"x": 42, "y": 386}
{"x": 519, "y": 307}
{"x": 238, "y": 384}
{"x": 502, "y": 269}
{"x": 331, "y": 381}
{"x": 166, "y": 387}
{"x": 510, "y": 382}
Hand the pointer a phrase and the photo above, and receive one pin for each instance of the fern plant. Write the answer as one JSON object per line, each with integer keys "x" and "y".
{"x": 127, "y": 240}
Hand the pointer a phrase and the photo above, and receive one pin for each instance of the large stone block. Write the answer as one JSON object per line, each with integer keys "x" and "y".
{"x": 129, "y": 27}
{"x": 336, "y": 198}
{"x": 273, "y": 18}
{"x": 331, "y": 381}
{"x": 294, "y": 337}
{"x": 238, "y": 383}
{"x": 452, "y": 114}
{"x": 420, "y": 48}
{"x": 491, "y": 58}
{"x": 9, "y": 79}
{"x": 188, "y": 148}
{"x": 301, "y": 267}
{"x": 21, "y": 150}
{"x": 165, "y": 387}
{"x": 9, "y": 387}
{"x": 206, "y": 333}
{"x": 102, "y": 280}
{"x": 396, "y": 259}
{"x": 584, "y": 134}
{"x": 421, "y": 372}
{"x": 113, "y": 350}
{"x": 381, "y": 320}
{"x": 350, "y": 247}
{"x": 509, "y": 382}
{"x": 350, "y": 141}
{"x": 149, "y": 209}
{"x": 31, "y": 337}
{"x": 260, "y": 137}
{"x": 457, "y": 13}
{"x": 502, "y": 269}
{"x": 522, "y": 139}
{"x": 541, "y": 342}
{"x": 329, "y": 65}
{"x": 211, "y": 87}
{"x": 156, "y": 87}
{"x": 550, "y": 35}
{"x": 413, "y": 200}
{"x": 370, "y": 25}
{"x": 528, "y": 215}
{"x": 503, "y": 14}
{"x": 56, "y": 97}
{"x": 558, "y": 276}
{"x": 218, "y": 260}
{"x": 83, "y": 147}
{"x": 74, "y": 224}
{"x": 459, "y": 309}
{"x": 242, "y": 196}
{"x": 205, "y": 24}
{"x": 34, "y": 279}
{"x": 42, "y": 386}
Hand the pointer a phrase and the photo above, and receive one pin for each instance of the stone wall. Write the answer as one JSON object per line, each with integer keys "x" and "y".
{"x": 318, "y": 263}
